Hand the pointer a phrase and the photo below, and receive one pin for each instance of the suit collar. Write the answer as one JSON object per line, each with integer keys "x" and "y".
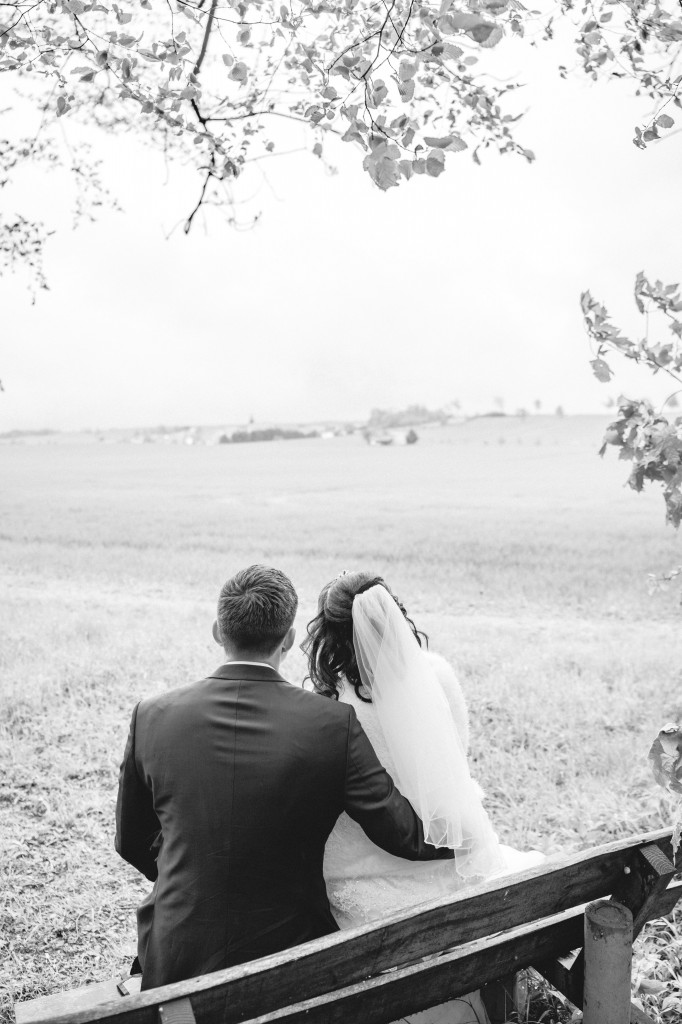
{"x": 247, "y": 670}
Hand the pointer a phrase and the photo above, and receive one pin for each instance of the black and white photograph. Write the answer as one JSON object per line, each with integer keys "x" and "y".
{"x": 340, "y": 505}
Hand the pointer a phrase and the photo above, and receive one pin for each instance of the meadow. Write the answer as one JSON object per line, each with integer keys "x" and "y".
{"x": 511, "y": 543}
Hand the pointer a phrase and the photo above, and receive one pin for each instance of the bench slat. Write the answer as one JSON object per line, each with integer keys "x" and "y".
{"x": 86, "y": 997}
{"x": 352, "y": 956}
{"x": 66, "y": 1003}
{"x": 384, "y": 999}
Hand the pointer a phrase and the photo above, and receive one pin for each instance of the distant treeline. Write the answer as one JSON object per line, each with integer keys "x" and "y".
{"x": 384, "y": 419}
{"x": 27, "y": 433}
{"x": 266, "y": 434}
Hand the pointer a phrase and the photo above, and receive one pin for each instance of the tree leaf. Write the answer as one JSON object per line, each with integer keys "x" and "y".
{"x": 406, "y": 90}
{"x": 383, "y": 171}
{"x": 452, "y": 52}
{"x": 487, "y": 35}
{"x": 406, "y": 169}
{"x": 450, "y": 142}
{"x": 461, "y": 21}
{"x": 435, "y": 163}
{"x": 239, "y": 72}
{"x": 665, "y": 758}
{"x": 651, "y": 986}
{"x": 602, "y": 370}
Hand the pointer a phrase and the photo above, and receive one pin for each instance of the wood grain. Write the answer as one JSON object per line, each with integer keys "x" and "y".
{"x": 608, "y": 963}
{"x": 66, "y": 1003}
{"x": 409, "y": 989}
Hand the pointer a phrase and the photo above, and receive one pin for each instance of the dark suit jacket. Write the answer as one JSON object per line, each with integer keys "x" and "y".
{"x": 228, "y": 791}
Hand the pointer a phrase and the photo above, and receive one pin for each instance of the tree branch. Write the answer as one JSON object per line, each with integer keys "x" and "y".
{"x": 204, "y": 41}
{"x": 202, "y": 196}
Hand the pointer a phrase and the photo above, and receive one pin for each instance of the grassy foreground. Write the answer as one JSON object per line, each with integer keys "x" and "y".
{"x": 510, "y": 543}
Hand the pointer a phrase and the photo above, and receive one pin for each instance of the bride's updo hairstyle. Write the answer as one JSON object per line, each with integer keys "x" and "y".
{"x": 329, "y": 644}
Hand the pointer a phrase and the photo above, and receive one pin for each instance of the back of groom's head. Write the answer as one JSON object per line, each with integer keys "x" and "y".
{"x": 256, "y": 609}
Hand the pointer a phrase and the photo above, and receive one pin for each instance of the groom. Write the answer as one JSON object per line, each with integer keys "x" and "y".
{"x": 229, "y": 789}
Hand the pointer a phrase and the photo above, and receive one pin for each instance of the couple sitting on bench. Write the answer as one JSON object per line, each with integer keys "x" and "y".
{"x": 266, "y": 815}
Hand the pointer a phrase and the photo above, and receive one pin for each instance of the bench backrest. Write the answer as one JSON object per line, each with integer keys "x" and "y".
{"x": 485, "y": 931}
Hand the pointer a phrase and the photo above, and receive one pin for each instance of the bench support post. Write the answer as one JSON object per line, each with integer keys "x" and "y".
{"x": 608, "y": 963}
{"x": 645, "y": 891}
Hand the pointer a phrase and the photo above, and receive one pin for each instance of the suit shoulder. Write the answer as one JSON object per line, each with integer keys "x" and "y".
{"x": 317, "y": 704}
{"x": 168, "y": 698}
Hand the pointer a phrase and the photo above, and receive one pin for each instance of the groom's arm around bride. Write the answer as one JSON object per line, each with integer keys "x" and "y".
{"x": 229, "y": 789}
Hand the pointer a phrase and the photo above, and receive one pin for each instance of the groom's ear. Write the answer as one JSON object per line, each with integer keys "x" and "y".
{"x": 216, "y": 633}
{"x": 288, "y": 641}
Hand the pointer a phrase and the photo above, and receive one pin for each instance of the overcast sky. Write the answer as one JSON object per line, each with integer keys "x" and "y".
{"x": 344, "y": 298}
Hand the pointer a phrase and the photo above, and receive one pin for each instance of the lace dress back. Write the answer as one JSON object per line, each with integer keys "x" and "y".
{"x": 364, "y": 883}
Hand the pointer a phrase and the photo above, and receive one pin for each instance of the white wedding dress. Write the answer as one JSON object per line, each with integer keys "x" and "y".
{"x": 365, "y": 884}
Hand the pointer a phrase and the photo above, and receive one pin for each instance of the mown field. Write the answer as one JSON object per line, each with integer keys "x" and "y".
{"x": 511, "y": 543}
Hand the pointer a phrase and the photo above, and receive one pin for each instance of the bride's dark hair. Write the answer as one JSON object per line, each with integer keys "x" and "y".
{"x": 329, "y": 644}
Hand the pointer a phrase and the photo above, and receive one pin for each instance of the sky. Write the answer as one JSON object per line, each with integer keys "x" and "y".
{"x": 344, "y": 298}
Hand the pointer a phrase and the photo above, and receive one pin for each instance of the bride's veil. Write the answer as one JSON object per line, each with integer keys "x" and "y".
{"x": 430, "y": 763}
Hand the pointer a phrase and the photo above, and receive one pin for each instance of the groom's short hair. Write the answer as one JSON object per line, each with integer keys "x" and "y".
{"x": 256, "y": 608}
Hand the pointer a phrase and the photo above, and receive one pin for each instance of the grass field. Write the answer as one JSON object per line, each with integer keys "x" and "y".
{"x": 511, "y": 544}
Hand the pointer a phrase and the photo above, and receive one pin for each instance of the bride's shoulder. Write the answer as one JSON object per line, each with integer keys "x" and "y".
{"x": 367, "y": 717}
{"x": 453, "y": 692}
{"x": 443, "y": 668}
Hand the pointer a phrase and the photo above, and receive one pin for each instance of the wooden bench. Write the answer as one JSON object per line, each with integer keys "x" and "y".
{"x": 437, "y": 951}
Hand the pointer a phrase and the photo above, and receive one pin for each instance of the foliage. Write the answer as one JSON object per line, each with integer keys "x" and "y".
{"x": 22, "y": 240}
{"x": 407, "y": 81}
{"x": 639, "y": 40}
{"x": 267, "y": 434}
{"x": 649, "y": 439}
{"x": 662, "y": 580}
{"x": 654, "y": 446}
{"x": 665, "y": 758}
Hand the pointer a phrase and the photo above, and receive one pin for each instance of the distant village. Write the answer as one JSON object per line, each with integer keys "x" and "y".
{"x": 384, "y": 427}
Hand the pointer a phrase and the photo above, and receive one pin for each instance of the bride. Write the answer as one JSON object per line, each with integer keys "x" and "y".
{"x": 364, "y": 650}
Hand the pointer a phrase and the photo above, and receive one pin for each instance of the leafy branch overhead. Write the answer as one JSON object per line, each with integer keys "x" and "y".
{"x": 394, "y": 77}
{"x": 647, "y": 438}
{"x": 22, "y": 239}
{"x": 408, "y": 82}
